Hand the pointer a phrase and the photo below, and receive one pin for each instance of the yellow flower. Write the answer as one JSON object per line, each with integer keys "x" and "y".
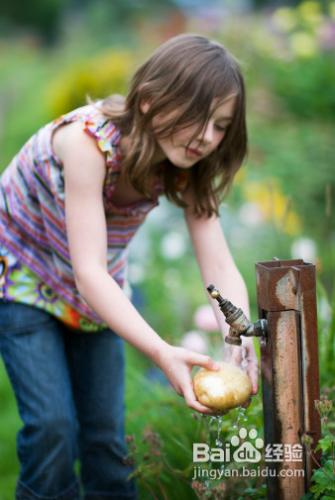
{"x": 291, "y": 225}
{"x": 98, "y": 77}
{"x": 264, "y": 43}
{"x": 240, "y": 176}
{"x": 285, "y": 19}
{"x": 274, "y": 205}
{"x": 310, "y": 13}
{"x": 303, "y": 45}
{"x": 331, "y": 9}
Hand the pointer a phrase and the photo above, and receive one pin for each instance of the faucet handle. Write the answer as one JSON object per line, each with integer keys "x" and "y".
{"x": 214, "y": 292}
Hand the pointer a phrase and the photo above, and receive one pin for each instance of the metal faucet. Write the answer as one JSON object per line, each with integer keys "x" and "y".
{"x": 239, "y": 323}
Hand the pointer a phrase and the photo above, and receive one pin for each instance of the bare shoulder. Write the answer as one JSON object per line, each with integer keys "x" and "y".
{"x": 78, "y": 152}
{"x": 71, "y": 139}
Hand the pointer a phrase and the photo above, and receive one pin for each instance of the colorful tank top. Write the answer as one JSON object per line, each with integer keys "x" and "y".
{"x": 33, "y": 240}
{"x": 19, "y": 284}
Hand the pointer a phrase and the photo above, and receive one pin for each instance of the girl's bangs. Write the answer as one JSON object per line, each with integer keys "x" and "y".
{"x": 193, "y": 111}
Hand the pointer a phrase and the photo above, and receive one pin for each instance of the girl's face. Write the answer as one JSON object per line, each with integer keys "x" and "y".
{"x": 175, "y": 148}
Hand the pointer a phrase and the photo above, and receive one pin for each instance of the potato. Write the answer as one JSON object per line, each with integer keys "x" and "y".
{"x": 223, "y": 389}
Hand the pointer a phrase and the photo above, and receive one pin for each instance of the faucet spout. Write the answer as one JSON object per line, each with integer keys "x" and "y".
{"x": 239, "y": 323}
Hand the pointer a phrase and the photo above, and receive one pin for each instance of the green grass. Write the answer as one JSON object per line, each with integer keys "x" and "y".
{"x": 10, "y": 424}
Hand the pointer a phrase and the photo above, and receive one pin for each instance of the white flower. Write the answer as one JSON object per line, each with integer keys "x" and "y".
{"x": 304, "y": 248}
{"x": 173, "y": 245}
{"x": 135, "y": 273}
{"x": 250, "y": 214}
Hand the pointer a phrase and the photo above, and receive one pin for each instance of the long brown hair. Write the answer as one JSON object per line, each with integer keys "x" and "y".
{"x": 186, "y": 73}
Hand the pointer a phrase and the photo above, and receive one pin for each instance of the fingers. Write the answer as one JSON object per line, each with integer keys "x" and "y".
{"x": 203, "y": 361}
{"x": 201, "y": 408}
{"x": 193, "y": 403}
{"x": 252, "y": 368}
{"x": 253, "y": 374}
{"x": 236, "y": 355}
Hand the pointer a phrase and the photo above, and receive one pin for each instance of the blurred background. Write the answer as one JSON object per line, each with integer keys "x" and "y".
{"x": 53, "y": 53}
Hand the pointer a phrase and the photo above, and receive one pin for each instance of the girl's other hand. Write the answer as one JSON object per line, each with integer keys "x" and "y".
{"x": 177, "y": 363}
{"x": 246, "y": 355}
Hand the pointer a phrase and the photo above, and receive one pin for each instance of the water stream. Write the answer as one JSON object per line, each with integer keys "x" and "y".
{"x": 215, "y": 422}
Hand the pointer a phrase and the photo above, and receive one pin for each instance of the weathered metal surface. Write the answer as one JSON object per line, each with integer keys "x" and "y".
{"x": 283, "y": 410}
{"x": 289, "y": 362}
{"x": 277, "y": 285}
{"x": 309, "y": 356}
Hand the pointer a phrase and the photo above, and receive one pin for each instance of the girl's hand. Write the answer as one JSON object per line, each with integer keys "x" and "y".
{"x": 246, "y": 354}
{"x": 177, "y": 363}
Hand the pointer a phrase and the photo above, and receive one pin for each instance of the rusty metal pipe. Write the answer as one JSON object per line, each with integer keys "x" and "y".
{"x": 286, "y": 296}
{"x": 287, "y": 327}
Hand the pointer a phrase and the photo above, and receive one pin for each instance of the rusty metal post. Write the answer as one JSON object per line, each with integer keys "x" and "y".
{"x": 289, "y": 364}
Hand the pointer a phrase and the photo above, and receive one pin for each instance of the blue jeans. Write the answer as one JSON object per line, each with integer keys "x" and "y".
{"x": 69, "y": 387}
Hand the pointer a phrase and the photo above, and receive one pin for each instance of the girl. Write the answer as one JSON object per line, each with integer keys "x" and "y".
{"x": 70, "y": 202}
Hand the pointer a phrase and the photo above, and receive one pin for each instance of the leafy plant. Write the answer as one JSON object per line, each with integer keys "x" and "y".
{"x": 323, "y": 478}
{"x": 161, "y": 432}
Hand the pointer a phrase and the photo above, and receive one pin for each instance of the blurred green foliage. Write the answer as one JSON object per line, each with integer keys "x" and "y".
{"x": 283, "y": 194}
{"x": 305, "y": 85}
{"x": 304, "y": 69}
{"x": 94, "y": 78}
{"x": 45, "y": 18}
{"x": 38, "y": 16}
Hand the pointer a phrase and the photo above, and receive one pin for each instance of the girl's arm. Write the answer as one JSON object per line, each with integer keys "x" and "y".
{"x": 84, "y": 174}
{"x": 218, "y": 267}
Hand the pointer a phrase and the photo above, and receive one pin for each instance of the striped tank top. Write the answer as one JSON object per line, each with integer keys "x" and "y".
{"x": 32, "y": 216}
